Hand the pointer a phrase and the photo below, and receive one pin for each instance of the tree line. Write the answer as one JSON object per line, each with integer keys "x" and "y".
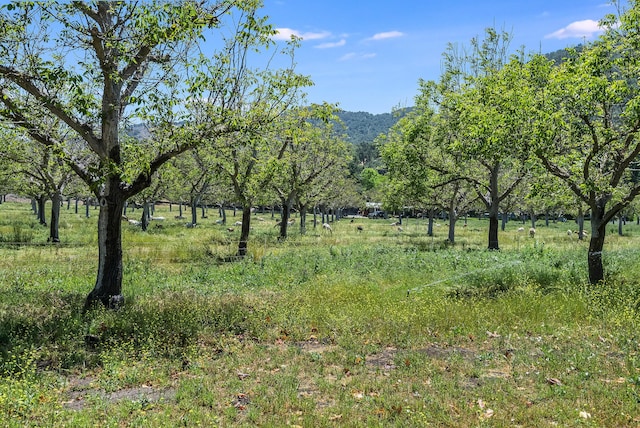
{"x": 221, "y": 101}
{"x": 523, "y": 130}
{"x": 222, "y": 122}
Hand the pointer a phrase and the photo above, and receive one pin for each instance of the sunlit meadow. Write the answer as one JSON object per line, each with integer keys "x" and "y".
{"x": 379, "y": 327}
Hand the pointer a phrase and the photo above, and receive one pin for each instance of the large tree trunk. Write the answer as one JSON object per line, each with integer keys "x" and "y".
{"x": 493, "y": 228}
{"x": 42, "y": 200}
{"x": 108, "y": 287}
{"x": 144, "y": 220}
{"x": 194, "y": 210}
{"x": 286, "y": 210}
{"x": 620, "y": 222}
{"x": 56, "y": 200}
{"x": 596, "y": 243}
{"x": 244, "y": 232}
{"x": 452, "y": 223}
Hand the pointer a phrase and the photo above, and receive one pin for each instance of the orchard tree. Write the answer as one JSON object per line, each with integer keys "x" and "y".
{"x": 588, "y": 124}
{"x": 96, "y": 66}
{"x": 38, "y": 173}
{"x": 421, "y": 169}
{"x": 314, "y": 153}
{"x": 485, "y": 121}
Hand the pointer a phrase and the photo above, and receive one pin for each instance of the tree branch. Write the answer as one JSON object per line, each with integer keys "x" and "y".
{"x": 26, "y": 83}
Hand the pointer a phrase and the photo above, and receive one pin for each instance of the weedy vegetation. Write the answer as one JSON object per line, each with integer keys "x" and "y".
{"x": 355, "y": 328}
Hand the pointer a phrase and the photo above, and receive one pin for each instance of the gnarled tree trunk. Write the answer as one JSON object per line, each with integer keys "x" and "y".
{"x": 596, "y": 244}
{"x": 493, "y": 208}
{"x": 493, "y": 228}
{"x": 109, "y": 280}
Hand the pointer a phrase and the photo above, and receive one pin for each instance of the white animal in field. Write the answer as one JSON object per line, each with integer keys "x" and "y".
{"x": 157, "y": 218}
{"x": 237, "y": 223}
{"x": 327, "y": 227}
{"x": 134, "y": 222}
{"x": 521, "y": 229}
{"x": 532, "y": 232}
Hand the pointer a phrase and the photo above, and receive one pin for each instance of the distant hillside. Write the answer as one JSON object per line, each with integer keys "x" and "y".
{"x": 363, "y": 127}
{"x": 138, "y": 131}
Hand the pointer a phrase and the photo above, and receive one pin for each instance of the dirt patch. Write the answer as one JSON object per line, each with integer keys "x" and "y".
{"x": 317, "y": 346}
{"x": 444, "y": 353}
{"x": 385, "y": 360}
{"x": 81, "y": 392}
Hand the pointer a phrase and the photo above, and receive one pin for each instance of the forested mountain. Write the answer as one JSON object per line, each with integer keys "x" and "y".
{"x": 363, "y": 127}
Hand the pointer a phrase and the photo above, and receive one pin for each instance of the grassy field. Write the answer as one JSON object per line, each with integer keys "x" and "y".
{"x": 357, "y": 329}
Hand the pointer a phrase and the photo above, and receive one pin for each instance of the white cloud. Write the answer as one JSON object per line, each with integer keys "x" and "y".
{"x": 286, "y": 33}
{"x": 351, "y": 56}
{"x": 578, "y": 29}
{"x": 386, "y": 35}
{"x": 332, "y": 44}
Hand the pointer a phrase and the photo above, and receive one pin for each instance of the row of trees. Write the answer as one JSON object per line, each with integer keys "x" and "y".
{"x": 221, "y": 119}
{"x": 497, "y": 128}
{"x": 199, "y": 75}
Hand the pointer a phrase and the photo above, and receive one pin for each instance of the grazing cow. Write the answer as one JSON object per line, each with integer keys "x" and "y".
{"x": 532, "y": 232}
{"x": 327, "y": 226}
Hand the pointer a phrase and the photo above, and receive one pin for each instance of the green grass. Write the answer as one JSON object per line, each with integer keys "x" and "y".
{"x": 379, "y": 328}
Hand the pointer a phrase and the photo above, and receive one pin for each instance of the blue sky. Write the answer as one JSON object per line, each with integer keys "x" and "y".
{"x": 367, "y": 55}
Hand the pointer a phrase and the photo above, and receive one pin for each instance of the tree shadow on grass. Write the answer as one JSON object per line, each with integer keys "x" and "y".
{"x": 50, "y": 330}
